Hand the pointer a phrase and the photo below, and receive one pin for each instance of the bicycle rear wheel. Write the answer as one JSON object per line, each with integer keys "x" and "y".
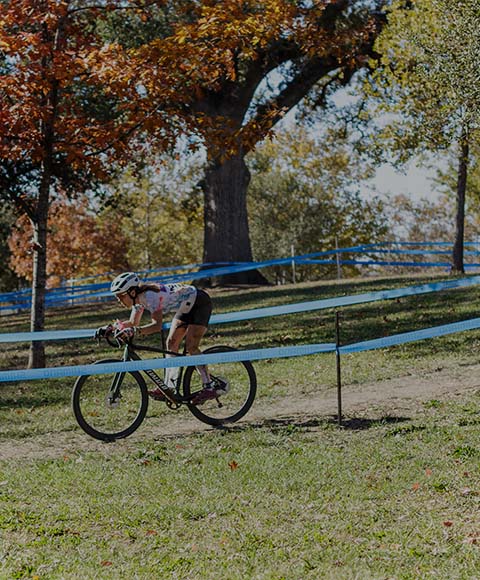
{"x": 236, "y": 402}
{"x": 110, "y": 406}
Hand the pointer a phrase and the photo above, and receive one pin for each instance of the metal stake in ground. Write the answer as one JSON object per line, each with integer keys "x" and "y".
{"x": 339, "y": 370}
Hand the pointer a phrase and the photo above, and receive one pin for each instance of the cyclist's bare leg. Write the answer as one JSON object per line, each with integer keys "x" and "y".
{"x": 178, "y": 329}
{"x": 194, "y": 335}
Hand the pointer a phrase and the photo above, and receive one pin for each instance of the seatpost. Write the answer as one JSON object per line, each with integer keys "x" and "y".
{"x": 164, "y": 341}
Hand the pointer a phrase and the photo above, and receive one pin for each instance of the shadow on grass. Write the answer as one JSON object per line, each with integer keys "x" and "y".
{"x": 18, "y": 399}
{"x": 292, "y": 424}
{"x": 359, "y": 424}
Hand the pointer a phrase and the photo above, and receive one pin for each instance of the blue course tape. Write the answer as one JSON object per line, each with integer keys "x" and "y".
{"x": 254, "y": 313}
{"x": 415, "y": 252}
{"x": 47, "y": 335}
{"x": 344, "y": 300}
{"x": 181, "y": 361}
{"x": 383, "y": 244}
{"x": 412, "y": 336}
{"x": 100, "y": 290}
{"x": 235, "y": 356}
{"x": 383, "y": 263}
{"x": 220, "y": 270}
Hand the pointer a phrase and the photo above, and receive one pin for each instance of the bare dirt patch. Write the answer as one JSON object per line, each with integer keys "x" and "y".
{"x": 395, "y": 397}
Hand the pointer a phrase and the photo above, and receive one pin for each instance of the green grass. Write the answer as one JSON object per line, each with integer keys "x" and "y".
{"x": 393, "y": 498}
{"x": 388, "y": 495}
{"x": 30, "y": 408}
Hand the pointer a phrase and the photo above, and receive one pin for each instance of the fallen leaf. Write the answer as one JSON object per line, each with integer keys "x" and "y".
{"x": 152, "y": 533}
{"x": 106, "y": 563}
{"x": 448, "y": 523}
{"x": 428, "y": 472}
{"x": 473, "y": 541}
{"x": 415, "y": 486}
{"x": 233, "y": 465}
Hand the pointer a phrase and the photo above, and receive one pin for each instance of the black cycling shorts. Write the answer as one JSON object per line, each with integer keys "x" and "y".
{"x": 200, "y": 312}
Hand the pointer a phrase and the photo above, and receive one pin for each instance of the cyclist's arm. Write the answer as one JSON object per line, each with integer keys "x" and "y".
{"x": 154, "y": 326}
{"x": 135, "y": 315}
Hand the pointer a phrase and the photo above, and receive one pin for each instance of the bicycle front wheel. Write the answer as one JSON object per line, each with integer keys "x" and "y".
{"x": 236, "y": 402}
{"x": 110, "y": 406}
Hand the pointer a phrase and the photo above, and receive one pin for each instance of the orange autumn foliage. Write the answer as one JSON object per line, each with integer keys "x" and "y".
{"x": 79, "y": 244}
{"x": 217, "y": 46}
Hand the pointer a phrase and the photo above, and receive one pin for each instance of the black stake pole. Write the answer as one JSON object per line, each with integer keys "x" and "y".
{"x": 339, "y": 369}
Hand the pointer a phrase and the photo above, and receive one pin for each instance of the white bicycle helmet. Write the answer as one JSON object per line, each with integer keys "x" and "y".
{"x": 124, "y": 282}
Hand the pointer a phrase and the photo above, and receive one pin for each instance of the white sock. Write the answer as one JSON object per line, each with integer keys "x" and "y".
{"x": 171, "y": 377}
{"x": 202, "y": 370}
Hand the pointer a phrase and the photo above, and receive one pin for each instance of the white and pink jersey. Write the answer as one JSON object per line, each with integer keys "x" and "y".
{"x": 178, "y": 297}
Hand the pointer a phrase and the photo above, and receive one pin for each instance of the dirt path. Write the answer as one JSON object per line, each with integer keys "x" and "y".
{"x": 394, "y": 397}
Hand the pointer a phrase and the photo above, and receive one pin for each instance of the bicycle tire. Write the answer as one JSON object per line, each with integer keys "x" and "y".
{"x": 236, "y": 402}
{"x": 90, "y": 393}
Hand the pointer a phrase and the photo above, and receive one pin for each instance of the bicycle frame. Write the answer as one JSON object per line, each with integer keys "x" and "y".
{"x": 130, "y": 353}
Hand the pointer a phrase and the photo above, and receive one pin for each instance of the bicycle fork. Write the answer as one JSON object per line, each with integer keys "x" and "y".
{"x": 114, "y": 394}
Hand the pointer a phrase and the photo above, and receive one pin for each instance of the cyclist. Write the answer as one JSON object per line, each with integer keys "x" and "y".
{"x": 192, "y": 307}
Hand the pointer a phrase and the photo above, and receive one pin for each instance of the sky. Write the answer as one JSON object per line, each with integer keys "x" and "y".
{"x": 414, "y": 181}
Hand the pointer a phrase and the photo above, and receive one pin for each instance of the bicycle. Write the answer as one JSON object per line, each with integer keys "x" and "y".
{"x": 113, "y": 406}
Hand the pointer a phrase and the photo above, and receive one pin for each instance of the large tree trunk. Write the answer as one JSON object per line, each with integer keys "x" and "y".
{"x": 226, "y": 237}
{"x": 36, "y": 357}
{"x": 458, "y": 246}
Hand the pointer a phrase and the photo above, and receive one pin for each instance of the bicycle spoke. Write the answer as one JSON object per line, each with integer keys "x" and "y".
{"x": 106, "y": 410}
{"x": 228, "y": 407}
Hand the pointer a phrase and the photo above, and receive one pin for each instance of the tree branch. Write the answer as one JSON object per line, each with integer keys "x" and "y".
{"x": 301, "y": 84}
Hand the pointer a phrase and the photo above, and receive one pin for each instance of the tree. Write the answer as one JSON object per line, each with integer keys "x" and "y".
{"x": 305, "y": 192}
{"x": 235, "y": 68}
{"x": 159, "y": 209}
{"x": 419, "y": 220}
{"x": 58, "y": 123}
{"x": 80, "y": 244}
{"x": 8, "y": 280}
{"x": 428, "y": 78}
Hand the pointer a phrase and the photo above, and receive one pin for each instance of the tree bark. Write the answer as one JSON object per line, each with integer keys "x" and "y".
{"x": 230, "y": 106}
{"x": 458, "y": 246}
{"x": 226, "y": 234}
{"x": 36, "y": 357}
